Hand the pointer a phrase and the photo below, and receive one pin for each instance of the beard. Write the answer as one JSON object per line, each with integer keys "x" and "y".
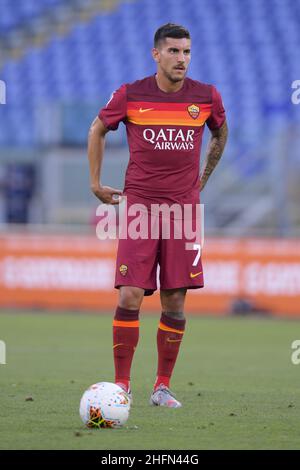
{"x": 172, "y": 78}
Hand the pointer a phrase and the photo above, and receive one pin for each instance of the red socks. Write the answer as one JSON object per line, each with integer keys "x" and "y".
{"x": 169, "y": 336}
{"x": 125, "y": 339}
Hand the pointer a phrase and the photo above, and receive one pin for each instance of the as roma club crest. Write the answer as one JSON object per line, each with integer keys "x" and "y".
{"x": 194, "y": 111}
{"x": 123, "y": 269}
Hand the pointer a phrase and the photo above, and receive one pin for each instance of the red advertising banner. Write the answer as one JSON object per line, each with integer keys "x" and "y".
{"x": 77, "y": 272}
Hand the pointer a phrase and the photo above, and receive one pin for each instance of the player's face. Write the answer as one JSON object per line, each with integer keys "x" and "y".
{"x": 173, "y": 57}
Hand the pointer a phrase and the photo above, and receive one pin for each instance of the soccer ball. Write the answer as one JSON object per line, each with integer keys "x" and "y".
{"x": 104, "y": 405}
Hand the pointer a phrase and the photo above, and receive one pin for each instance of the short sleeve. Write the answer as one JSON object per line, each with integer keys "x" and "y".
{"x": 115, "y": 110}
{"x": 217, "y": 117}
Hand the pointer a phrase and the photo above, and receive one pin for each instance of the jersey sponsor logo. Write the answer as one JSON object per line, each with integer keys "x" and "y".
{"x": 194, "y": 111}
{"x": 170, "y": 139}
{"x": 192, "y": 275}
{"x": 123, "y": 269}
{"x": 145, "y": 110}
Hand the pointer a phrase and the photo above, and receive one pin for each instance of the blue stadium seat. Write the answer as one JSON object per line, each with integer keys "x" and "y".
{"x": 248, "y": 49}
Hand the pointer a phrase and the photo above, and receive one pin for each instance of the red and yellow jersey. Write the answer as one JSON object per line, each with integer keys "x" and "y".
{"x": 164, "y": 132}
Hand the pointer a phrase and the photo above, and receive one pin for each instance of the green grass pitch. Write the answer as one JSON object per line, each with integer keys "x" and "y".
{"x": 234, "y": 376}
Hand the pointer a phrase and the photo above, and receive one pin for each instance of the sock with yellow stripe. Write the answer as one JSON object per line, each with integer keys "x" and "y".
{"x": 125, "y": 339}
{"x": 169, "y": 336}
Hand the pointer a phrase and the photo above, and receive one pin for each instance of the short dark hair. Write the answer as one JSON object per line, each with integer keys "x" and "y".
{"x": 170, "y": 30}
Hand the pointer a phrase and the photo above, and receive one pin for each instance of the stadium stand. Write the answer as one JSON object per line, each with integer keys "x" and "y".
{"x": 78, "y": 52}
{"x": 246, "y": 48}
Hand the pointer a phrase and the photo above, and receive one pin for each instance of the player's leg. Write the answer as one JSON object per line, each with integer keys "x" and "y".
{"x": 170, "y": 333}
{"x": 126, "y": 332}
{"x": 169, "y": 336}
{"x": 135, "y": 277}
{"x": 180, "y": 269}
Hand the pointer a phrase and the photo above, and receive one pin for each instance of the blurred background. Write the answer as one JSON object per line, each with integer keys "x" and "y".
{"x": 60, "y": 60}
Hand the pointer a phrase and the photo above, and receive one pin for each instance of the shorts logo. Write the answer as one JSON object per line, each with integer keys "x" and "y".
{"x": 123, "y": 269}
{"x": 192, "y": 275}
{"x": 194, "y": 111}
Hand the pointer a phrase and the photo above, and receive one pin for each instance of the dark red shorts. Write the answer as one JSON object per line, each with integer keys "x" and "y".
{"x": 174, "y": 261}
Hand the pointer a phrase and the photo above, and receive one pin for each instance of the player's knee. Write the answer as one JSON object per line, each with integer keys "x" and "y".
{"x": 173, "y": 301}
{"x": 131, "y": 297}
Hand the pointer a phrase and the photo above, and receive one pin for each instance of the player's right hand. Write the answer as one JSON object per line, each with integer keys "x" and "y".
{"x": 107, "y": 194}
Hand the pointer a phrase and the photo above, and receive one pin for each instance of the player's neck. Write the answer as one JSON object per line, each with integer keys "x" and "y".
{"x": 164, "y": 84}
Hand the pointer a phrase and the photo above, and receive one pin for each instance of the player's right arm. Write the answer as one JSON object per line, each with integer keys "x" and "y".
{"x": 108, "y": 119}
{"x": 96, "y": 142}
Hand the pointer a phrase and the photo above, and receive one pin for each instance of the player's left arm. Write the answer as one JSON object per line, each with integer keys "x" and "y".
{"x": 214, "y": 152}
